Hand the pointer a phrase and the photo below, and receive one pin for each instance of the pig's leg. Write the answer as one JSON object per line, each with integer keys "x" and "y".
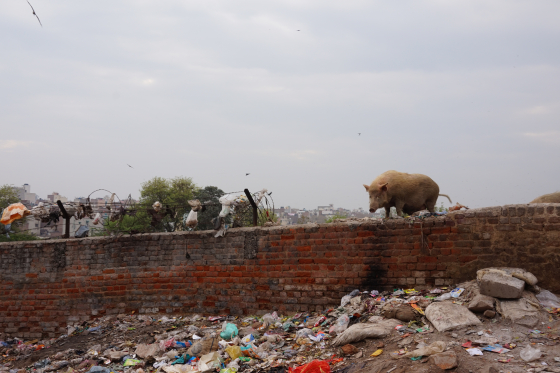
{"x": 430, "y": 205}
{"x": 387, "y": 212}
{"x": 399, "y": 206}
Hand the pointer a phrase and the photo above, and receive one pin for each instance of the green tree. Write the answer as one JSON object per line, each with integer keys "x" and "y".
{"x": 335, "y": 216}
{"x": 264, "y": 217}
{"x": 209, "y": 194}
{"x": 8, "y": 195}
{"x": 173, "y": 194}
{"x": 441, "y": 208}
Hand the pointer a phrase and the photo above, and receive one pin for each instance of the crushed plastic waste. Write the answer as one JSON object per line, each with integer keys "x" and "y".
{"x": 333, "y": 339}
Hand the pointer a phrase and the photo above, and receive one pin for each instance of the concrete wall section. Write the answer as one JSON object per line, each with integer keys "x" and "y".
{"x": 44, "y": 285}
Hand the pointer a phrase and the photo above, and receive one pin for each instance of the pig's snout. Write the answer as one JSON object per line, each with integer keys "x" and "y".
{"x": 371, "y": 210}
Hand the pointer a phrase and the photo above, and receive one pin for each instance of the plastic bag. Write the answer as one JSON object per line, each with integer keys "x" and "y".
{"x": 445, "y": 296}
{"x": 530, "y": 354}
{"x": 234, "y": 352}
{"x": 345, "y": 300}
{"x": 341, "y": 325}
{"x": 305, "y": 332}
{"x": 14, "y": 212}
{"x": 250, "y": 351}
{"x": 209, "y": 362}
{"x": 82, "y": 232}
{"x": 226, "y": 202}
{"x": 97, "y": 219}
{"x": 131, "y": 362}
{"x": 434, "y": 348}
{"x": 192, "y": 221}
{"x": 165, "y": 344}
{"x": 456, "y": 293}
{"x": 287, "y": 325}
{"x": 316, "y": 366}
{"x": 229, "y": 331}
{"x": 547, "y": 299}
{"x": 271, "y": 318}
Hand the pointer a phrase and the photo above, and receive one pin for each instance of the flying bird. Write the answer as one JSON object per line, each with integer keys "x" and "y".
{"x": 129, "y": 165}
{"x": 35, "y": 14}
{"x": 359, "y": 134}
{"x": 247, "y": 174}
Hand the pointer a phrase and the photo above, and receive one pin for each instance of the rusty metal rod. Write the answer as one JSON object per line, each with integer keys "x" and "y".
{"x": 253, "y": 204}
{"x": 66, "y": 218}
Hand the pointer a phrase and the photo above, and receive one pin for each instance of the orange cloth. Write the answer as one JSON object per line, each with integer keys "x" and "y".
{"x": 14, "y": 212}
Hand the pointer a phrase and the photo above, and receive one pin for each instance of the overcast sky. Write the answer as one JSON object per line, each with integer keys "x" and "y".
{"x": 467, "y": 92}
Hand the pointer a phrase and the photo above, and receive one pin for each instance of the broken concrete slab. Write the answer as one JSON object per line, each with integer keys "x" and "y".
{"x": 520, "y": 311}
{"x": 447, "y": 316}
{"x": 500, "y": 285}
{"x": 445, "y": 360}
{"x": 481, "y": 303}
{"x": 529, "y": 278}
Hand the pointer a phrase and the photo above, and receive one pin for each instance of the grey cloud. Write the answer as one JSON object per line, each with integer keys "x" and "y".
{"x": 466, "y": 92}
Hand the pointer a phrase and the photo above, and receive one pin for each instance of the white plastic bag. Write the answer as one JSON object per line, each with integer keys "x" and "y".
{"x": 435, "y": 348}
{"x": 209, "y": 362}
{"x": 97, "y": 219}
{"x": 547, "y": 299}
{"x": 305, "y": 332}
{"x": 271, "y": 318}
{"x": 192, "y": 219}
{"x": 345, "y": 300}
{"x": 530, "y": 354}
{"x": 341, "y": 325}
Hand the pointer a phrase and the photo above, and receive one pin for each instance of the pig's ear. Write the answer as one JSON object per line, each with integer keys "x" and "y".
{"x": 383, "y": 187}
{"x": 367, "y": 187}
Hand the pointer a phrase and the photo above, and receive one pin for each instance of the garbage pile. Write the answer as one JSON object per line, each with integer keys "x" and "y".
{"x": 500, "y": 322}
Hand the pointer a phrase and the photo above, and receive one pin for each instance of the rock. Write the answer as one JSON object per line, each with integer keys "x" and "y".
{"x": 405, "y": 342}
{"x": 402, "y": 312}
{"x": 520, "y": 311}
{"x": 528, "y": 277}
{"x": 447, "y": 316}
{"x": 481, "y": 303}
{"x": 145, "y": 351}
{"x": 501, "y": 285}
{"x": 490, "y": 314}
{"x": 445, "y": 360}
{"x": 349, "y": 349}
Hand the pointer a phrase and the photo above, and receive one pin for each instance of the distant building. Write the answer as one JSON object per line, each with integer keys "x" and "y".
{"x": 56, "y": 197}
{"x": 25, "y": 195}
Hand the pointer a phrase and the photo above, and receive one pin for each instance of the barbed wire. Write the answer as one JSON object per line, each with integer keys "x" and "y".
{"x": 114, "y": 212}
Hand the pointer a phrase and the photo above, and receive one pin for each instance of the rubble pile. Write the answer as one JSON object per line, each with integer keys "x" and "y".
{"x": 500, "y": 322}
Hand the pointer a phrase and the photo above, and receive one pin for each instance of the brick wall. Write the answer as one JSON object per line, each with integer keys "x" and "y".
{"x": 44, "y": 285}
